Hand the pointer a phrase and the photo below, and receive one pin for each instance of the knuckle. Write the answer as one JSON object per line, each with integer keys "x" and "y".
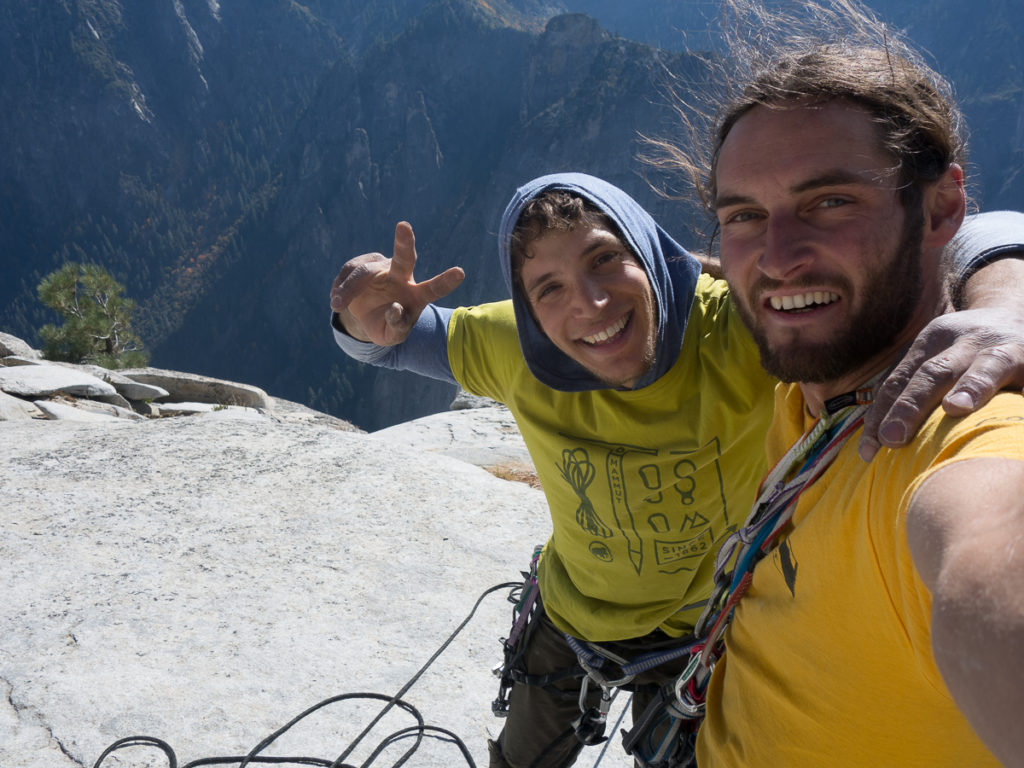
{"x": 1002, "y": 357}
{"x": 893, "y": 386}
{"x": 939, "y": 368}
{"x": 905, "y": 407}
{"x": 974, "y": 384}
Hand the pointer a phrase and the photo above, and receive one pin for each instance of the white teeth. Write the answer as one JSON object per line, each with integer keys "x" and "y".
{"x": 801, "y": 300}
{"x": 608, "y": 332}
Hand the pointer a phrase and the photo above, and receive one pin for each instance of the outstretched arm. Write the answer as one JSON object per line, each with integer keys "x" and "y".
{"x": 376, "y": 299}
{"x": 965, "y": 528}
{"x": 961, "y": 359}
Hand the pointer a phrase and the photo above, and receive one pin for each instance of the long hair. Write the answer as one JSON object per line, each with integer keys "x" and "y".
{"x": 821, "y": 52}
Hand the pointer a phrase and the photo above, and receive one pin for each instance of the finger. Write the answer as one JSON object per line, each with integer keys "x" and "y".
{"x": 884, "y": 397}
{"x": 338, "y": 302}
{"x": 441, "y": 285}
{"x": 351, "y": 281}
{"x": 906, "y": 397}
{"x": 992, "y": 370}
{"x": 404, "y": 260}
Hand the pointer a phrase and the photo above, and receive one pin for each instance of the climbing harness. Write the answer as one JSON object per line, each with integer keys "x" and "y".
{"x": 596, "y": 665}
{"x": 594, "y": 659}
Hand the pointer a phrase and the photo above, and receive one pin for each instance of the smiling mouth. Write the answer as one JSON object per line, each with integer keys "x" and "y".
{"x": 613, "y": 330}
{"x": 807, "y": 300}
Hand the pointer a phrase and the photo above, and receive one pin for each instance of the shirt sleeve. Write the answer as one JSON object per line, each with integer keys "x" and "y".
{"x": 982, "y": 239}
{"x": 425, "y": 351}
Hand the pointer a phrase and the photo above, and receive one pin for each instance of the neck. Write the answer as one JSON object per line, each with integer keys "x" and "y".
{"x": 816, "y": 395}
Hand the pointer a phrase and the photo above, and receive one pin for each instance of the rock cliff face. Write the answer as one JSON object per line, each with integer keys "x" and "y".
{"x": 221, "y": 160}
{"x": 437, "y": 127}
{"x": 202, "y": 578}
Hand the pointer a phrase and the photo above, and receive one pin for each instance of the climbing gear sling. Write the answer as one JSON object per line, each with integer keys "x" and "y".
{"x": 684, "y": 700}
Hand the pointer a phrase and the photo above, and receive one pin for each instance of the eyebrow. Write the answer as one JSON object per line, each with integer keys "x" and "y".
{"x": 835, "y": 178}
{"x": 597, "y": 245}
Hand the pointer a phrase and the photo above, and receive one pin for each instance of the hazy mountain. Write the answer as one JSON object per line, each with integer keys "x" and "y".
{"x": 223, "y": 159}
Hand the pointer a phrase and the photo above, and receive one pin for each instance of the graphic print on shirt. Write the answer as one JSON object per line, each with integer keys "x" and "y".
{"x": 670, "y": 504}
{"x": 786, "y": 563}
{"x": 579, "y": 473}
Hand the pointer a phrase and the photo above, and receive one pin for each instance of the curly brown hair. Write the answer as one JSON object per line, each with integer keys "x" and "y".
{"x": 553, "y": 210}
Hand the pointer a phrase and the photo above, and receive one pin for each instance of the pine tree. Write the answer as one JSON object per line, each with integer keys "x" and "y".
{"x": 97, "y": 318}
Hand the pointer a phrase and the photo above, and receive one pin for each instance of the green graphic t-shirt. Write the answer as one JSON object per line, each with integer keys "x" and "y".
{"x": 642, "y": 484}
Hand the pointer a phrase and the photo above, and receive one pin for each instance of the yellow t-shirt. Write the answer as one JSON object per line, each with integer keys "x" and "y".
{"x": 642, "y": 484}
{"x": 828, "y": 659}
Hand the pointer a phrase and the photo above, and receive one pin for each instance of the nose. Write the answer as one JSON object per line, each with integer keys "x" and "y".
{"x": 589, "y": 296}
{"x": 787, "y": 249}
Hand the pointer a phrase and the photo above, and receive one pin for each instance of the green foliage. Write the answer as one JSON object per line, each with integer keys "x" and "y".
{"x": 97, "y": 318}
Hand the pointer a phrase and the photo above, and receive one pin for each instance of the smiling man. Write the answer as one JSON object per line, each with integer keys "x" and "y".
{"x": 877, "y": 611}
{"x": 586, "y": 289}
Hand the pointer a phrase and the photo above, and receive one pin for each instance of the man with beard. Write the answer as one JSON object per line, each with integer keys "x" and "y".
{"x": 872, "y": 614}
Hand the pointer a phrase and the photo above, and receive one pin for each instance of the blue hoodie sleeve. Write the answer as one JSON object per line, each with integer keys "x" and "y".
{"x": 425, "y": 351}
{"x": 984, "y": 238}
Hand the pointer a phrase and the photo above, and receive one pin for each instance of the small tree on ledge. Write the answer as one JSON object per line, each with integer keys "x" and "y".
{"x": 97, "y": 318}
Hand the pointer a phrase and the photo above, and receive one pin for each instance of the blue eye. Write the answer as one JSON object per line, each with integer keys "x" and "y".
{"x": 833, "y": 202}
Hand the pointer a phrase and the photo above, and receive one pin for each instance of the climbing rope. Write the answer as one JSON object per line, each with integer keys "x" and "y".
{"x": 417, "y": 732}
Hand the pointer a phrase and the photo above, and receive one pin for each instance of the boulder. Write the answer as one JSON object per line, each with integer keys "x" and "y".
{"x": 85, "y": 410}
{"x": 35, "y": 381}
{"x": 126, "y": 387}
{"x": 15, "y": 409}
{"x": 58, "y": 411}
{"x": 12, "y": 345}
{"x": 186, "y": 387}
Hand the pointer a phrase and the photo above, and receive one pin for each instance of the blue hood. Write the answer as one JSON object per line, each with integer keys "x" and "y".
{"x": 672, "y": 271}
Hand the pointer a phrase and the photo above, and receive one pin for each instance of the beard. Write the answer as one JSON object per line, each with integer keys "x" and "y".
{"x": 891, "y": 295}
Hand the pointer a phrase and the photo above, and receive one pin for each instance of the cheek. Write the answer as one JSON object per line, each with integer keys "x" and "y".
{"x": 548, "y": 321}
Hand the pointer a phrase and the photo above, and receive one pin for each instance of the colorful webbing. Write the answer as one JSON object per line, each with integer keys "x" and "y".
{"x": 802, "y": 464}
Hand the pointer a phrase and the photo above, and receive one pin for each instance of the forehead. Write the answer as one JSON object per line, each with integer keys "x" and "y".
{"x": 566, "y": 245}
{"x": 789, "y": 144}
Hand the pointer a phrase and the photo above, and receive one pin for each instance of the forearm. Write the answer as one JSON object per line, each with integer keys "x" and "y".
{"x": 998, "y": 284}
{"x": 977, "y": 637}
{"x": 425, "y": 351}
{"x": 987, "y": 251}
{"x": 965, "y": 528}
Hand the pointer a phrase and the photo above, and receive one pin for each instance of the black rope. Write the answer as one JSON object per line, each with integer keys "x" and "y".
{"x": 418, "y": 731}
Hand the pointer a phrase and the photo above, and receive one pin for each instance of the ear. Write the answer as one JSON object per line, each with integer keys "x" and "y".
{"x": 945, "y": 205}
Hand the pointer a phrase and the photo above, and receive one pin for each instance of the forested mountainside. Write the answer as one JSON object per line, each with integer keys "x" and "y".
{"x": 222, "y": 159}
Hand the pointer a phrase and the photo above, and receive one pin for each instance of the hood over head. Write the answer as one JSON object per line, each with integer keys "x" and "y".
{"x": 671, "y": 269}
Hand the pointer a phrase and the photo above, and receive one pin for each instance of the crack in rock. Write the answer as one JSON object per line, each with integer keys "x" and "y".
{"x": 31, "y": 718}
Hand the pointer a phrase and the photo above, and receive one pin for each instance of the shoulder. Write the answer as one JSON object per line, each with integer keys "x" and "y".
{"x": 995, "y": 431}
{"x": 483, "y": 349}
{"x": 487, "y": 322}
